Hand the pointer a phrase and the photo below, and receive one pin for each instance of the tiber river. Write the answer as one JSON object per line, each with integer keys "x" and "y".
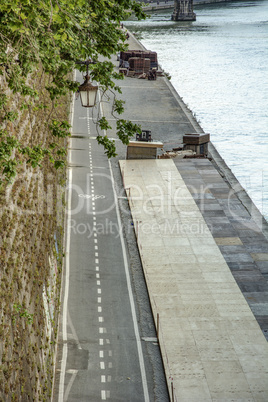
{"x": 219, "y": 66}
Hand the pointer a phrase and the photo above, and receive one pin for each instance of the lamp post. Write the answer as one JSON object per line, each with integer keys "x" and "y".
{"x": 88, "y": 91}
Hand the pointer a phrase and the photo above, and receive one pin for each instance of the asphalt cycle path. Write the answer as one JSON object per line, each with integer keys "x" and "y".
{"x": 100, "y": 353}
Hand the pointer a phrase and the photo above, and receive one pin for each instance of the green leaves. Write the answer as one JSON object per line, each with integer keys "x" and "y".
{"x": 126, "y": 129}
{"x": 35, "y": 155}
{"x": 60, "y": 129}
{"x": 118, "y": 106}
{"x": 103, "y": 123}
{"x": 9, "y": 169}
{"x": 3, "y": 100}
{"x": 8, "y": 164}
{"x": 11, "y": 116}
{"x": 47, "y": 38}
{"x": 108, "y": 144}
{"x": 59, "y": 164}
{"x": 20, "y": 311}
{"x": 7, "y": 145}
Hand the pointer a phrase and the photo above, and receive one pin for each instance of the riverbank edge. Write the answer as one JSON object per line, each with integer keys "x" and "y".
{"x": 217, "y": 160}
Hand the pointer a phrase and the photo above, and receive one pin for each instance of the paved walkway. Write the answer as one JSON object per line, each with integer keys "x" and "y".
{"x": 236, "y": 224}
{"x": 238, "y": 235}
{"x": 211, "y": 343}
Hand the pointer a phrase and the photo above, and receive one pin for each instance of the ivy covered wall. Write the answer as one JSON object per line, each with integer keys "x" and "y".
{"x": 31, "y": 233}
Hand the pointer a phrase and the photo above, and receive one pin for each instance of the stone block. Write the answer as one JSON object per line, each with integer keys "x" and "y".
{"x": 196, "y": 138}
{"x": 141, "y": 153}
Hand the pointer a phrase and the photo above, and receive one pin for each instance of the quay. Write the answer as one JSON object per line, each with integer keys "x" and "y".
{"x": 165, "y": 280}
{"x": 204, "y": 252}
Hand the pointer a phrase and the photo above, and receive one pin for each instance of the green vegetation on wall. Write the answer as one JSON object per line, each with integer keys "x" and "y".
{"x": 51, "y": 36}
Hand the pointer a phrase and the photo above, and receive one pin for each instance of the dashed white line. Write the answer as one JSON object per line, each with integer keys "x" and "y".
{"x": 104, "y": 393}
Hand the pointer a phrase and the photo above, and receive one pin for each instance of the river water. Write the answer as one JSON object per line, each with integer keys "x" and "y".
{"x": 218, "y": 65}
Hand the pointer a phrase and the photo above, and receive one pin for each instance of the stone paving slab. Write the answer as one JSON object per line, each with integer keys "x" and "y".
{"x": 238, "y": 236}
{"x": 212, "y": 346}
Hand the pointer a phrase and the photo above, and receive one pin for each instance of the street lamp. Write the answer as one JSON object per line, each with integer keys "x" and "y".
{"x": 88, "y": 91}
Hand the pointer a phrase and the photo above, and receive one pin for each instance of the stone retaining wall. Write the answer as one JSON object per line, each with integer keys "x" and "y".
{"x": 31, "y": 216}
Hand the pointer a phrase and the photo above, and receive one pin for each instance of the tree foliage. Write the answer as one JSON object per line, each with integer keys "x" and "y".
{"x": 51, "y": 36}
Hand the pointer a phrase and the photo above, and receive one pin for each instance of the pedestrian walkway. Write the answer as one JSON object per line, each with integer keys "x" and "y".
{"x": 237, "y": 226}
{"x": 211, "y": 343}
{"x": 239, "y": 236}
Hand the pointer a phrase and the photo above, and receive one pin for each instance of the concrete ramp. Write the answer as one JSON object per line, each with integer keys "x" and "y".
{"x": 211, "y": 344}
